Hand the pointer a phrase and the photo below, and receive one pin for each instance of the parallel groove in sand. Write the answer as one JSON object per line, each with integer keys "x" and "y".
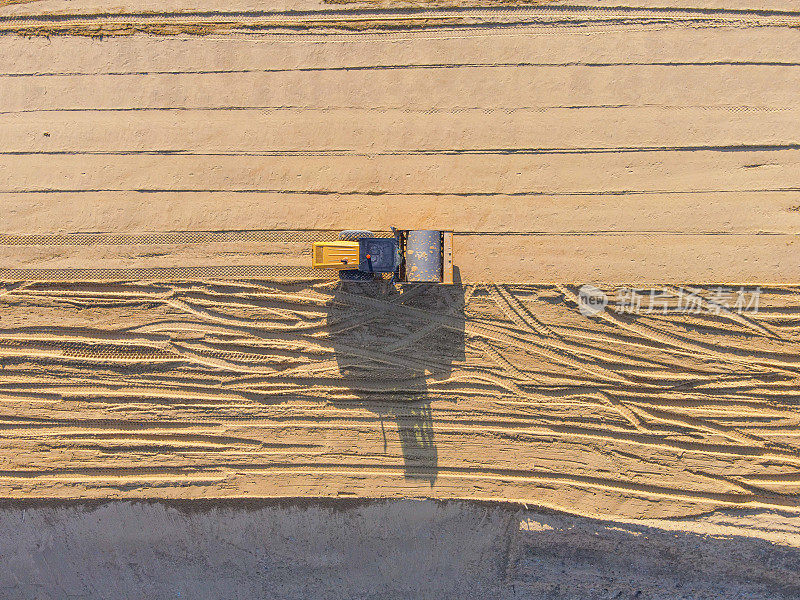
{"x": 636, "y": 149}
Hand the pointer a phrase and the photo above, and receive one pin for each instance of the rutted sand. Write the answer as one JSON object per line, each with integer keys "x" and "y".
{"x": 262, "y": 389}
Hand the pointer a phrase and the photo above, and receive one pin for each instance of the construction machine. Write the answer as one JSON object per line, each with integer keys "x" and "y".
{"x": 410, "y": 256}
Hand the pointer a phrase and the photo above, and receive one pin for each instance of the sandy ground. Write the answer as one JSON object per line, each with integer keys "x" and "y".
{"x": 632, "y": 149}
{"x": 231, "y": 389}
{"x": 162, "y": 337}
{"x": 378, "y": 550}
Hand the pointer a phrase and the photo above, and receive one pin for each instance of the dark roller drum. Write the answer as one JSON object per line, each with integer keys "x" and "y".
{"x": 424, "y": 256}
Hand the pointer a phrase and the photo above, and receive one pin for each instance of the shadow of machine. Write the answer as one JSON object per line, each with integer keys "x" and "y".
{"x": 395, "y": 347}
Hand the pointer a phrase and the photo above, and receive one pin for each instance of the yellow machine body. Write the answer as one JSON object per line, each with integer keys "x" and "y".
{"x": 334, "y": 255}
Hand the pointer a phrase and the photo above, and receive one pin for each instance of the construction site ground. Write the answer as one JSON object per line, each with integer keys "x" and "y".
{"x": 165, "y": 166}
